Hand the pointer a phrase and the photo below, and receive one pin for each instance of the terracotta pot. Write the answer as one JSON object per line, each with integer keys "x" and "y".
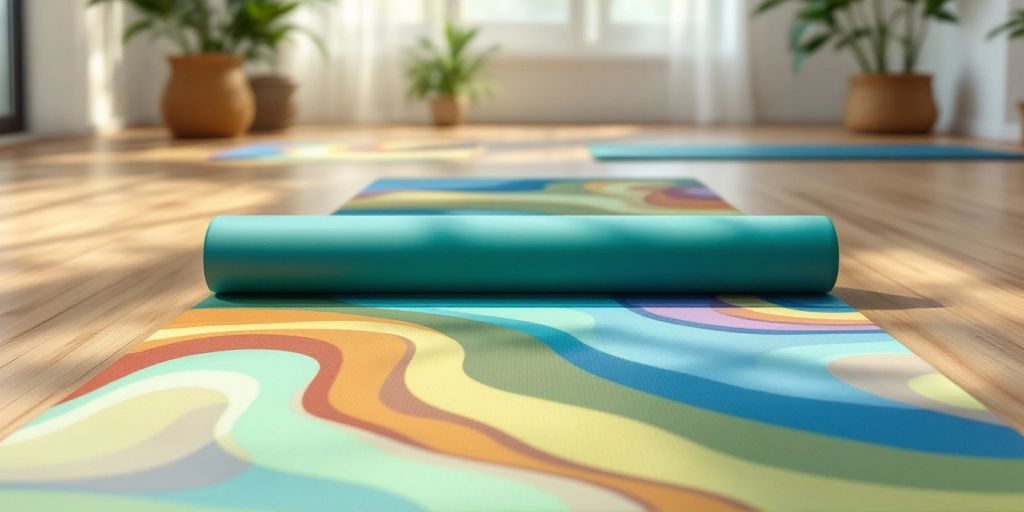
{"x": 207, "y": 95}
{"x": 448, "y": 110}
{"x": 890, "y": 103}
{"x": 275, "y": 102}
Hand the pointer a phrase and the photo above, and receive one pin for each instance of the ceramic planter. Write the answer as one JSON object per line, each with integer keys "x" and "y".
{"x": 275, "y": 102}
{"x": 207, "y": 95}
{"x": 448, "y": 110}
{"x": 890, "y": 103}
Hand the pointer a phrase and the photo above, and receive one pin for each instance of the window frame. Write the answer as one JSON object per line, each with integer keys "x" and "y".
{"x": 589, "y": 32}
{"x": 15, "y": 121}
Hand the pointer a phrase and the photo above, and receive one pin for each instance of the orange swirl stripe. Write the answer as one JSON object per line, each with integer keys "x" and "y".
{"x": 754, "y": 314}
{"x": 663, "y": 199}
{"x": 361, "y": 383}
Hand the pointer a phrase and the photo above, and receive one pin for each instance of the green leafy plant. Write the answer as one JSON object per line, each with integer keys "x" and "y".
{"x": 1013, "y": 28}
{"x": 259, "y": 27}
{"x": 254, "y": 29}
{"x": 449, "y": 69}
{"x": 866, "y": 29}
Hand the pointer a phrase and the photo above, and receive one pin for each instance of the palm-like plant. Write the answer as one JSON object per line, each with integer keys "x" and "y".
{"x": 254, "y": 29}
{"x": 449, "y": 69}
{"x": 1013, "y": 28}
{"x": 175, "y": 20}
{"x": 257, "y": 28}
{"x": 866, "y": 29}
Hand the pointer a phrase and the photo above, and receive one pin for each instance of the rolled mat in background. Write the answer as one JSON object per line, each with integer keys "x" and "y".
{"x": 521, "y": 254}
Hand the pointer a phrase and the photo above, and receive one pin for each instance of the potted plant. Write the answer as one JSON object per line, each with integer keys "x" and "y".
{"x": 449, "y": 76}
{"x": 1014, "y": 29}
{"x": 885, "y": 97}
{"x": 263, "y": 27}
{"x": 208, "y": 94}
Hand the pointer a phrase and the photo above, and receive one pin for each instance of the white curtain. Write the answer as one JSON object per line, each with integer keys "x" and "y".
{"x": 699, "y": 47}
{"x": 709, "y": 67}
{"x": 360, "y": 79}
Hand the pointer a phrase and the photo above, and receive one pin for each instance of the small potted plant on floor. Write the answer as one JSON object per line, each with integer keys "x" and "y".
{"x": 208, "y": 94}
{"x": 449, "y": 75}
{"x": 885, "y": 97}
{"x": 1014, "y": 29}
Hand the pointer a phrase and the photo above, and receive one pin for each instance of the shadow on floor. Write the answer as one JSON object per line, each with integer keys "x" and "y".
{"x": 866, "y": 300}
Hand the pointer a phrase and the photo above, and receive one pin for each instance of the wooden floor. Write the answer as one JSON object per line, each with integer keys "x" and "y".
{"x": 100, "y": 238}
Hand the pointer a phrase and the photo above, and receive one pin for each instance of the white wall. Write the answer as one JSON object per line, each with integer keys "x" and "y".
{"x": 1014, "y": 78}
{"x": 73, "y": 71}
{"x": 578, "y": 90}
{"x": 781, "y": 95}
{"x": 992, "y": 81}
{"x": 147, "y": 70}
{"x": 56, "y": 68}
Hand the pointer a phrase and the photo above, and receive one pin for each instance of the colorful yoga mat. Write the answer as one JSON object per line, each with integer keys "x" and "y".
{"x": 350, "y": 151}
{"x": 798, "y": 152}
{"x": 491, "y": 403}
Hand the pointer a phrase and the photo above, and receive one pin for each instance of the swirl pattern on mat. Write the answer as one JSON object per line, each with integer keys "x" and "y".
{"x": 537, "y": 196}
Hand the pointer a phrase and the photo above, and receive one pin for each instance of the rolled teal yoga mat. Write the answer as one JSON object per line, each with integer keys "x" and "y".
{"x": 521, "y": 254}
{"x": 797, "y": 152}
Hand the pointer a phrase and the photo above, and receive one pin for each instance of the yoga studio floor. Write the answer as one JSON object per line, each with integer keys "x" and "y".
{"x": 100, "y": 237}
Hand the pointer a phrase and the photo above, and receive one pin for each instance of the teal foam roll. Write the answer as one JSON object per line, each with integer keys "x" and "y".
{"x": 521, "y": 254}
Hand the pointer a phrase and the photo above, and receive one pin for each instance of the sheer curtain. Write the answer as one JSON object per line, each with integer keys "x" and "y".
{"x": 360, "y": 78}
{"x": 709, "y": 66}
{"x": 698, "y": 46}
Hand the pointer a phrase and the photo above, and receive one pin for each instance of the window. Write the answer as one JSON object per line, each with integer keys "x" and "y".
{"x": 638, "y": 12}
{"x": 405, "y": 12}
{"x": 543, "y": 12}
{"x": 538, "y": 28}
{"x": 576, "y": 27}
{"x": 11, "y": 111}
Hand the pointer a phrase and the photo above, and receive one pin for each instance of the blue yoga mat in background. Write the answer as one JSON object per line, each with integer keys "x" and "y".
{"x": 797, "y": 152}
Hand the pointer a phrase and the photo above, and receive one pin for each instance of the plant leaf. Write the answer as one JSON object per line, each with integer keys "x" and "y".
{"x": 851, "y": 38}
{"x": 136, "y": 28}
{"x": 449, "y": 68}
{"x": 1015, "y": 23}
{"x": 766, "y": 5}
